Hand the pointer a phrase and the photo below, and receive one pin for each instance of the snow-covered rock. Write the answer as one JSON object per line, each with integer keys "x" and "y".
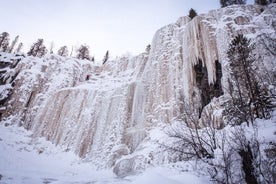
{"x": 106, "y": 114}
{"x": 37, "y": 79}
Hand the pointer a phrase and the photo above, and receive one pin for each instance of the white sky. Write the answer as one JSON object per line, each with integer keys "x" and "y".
{"x": 119, "y": 26}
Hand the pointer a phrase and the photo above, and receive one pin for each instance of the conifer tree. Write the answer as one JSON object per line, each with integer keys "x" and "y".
{"x": 148, "y": 48}
{"x": 225, "y": 3}
{"x": 106, "y": 57}
{"x": 192, "y": 13}
{"x": 261, "y": 2}
{"x": 63, "y": 51}
{"x": 4, "y": 41}
{"x": 72, "y": 49}
{"x": 19, "y": 47}
{"x": 83, "y": 52}
{"x": 92, "y": 59}
{"x": 249, "y": 99}
{"x": 13, "y": 44}
{"x": 51, "y": 50}
{"x": 38, "y": 49}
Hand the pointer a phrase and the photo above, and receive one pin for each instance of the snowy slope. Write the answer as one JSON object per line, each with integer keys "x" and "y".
{"x": 24, "y": 160}
{"x": 113, "y": 115}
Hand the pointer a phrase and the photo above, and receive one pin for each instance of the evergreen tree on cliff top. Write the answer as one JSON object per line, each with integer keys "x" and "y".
{"x": 264, "y": 2}
{"x": 19, "y": 47}
{"x": 83, "y": 52}
{"x": 106, "y": 57}
{"x": 63, "y": 51}
{"x": 224, "y": 3}
{"x": 13, "y": 44}
{"x": 192, "y": 13}
{"x": 38, "y": 49}
{"x": 261, "y": 2}
{"x": 4, "y": 41}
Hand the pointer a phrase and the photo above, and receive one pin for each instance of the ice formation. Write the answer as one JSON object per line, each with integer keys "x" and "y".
{"x": 108, "y": 114}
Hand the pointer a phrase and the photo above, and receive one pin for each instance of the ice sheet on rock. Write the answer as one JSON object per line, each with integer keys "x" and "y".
{"x": 106, "y": 114}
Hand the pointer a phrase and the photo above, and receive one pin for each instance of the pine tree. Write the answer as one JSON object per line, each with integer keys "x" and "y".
{"x": 192, "y": 13}
{"x": 225, "y": 3}
{"x": 83, "y": 52}
{"x": 52, "y": 45}
{"x": 19, "y": 47}
{"x": 261, "y": 2}
{"x": 106, "y": 57}
{"x": 248, "y": 98}
{"x": 4, "y": 41}
{"x": 92, "y": 59}
{"x": 38, "y": 49}
{"x": 72, "y": 49}
{"x": 148, "y": 48}
{"x": 241, "y": 81}
{"x": 13, "y": 44}
{"x": 63, "y": 51}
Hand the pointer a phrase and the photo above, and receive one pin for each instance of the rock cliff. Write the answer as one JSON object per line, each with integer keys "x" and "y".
{"x": 109, "y": 114}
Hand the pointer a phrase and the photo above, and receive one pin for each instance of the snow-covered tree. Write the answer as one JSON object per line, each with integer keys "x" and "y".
{"x": 19, "y": 47}
{"x": 13, "y": 44}
{"x": 83, "y": 52}
{"x": 106, "y": 57}
{"x": 148, "y": 48}
{"x": 63, "y": 51}
{"x": 192, "y": 13}
{"x": 72, "y": 50}
{"x": 52, "y": 45}
{"x": 4, "y": 41}
{"x": 38, "y": 49}
{"x": 225, "y": 3}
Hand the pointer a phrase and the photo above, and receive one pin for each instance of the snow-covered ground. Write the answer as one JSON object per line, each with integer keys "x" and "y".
{"x": 23, "y": 160}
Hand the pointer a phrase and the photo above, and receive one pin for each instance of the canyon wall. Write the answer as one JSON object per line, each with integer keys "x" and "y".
{"x": 109, "y": 114}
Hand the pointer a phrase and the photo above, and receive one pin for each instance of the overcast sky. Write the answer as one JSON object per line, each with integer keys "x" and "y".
{"x": 119, "y": 26}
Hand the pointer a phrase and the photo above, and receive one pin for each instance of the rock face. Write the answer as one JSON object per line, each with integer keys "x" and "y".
{"x": 107, "y": 115}
{"x": 36, "y": 80}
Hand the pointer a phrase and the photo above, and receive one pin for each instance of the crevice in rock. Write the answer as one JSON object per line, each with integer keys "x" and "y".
{"x": 207, "y": 91}
{"x": 30, "y": 99}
